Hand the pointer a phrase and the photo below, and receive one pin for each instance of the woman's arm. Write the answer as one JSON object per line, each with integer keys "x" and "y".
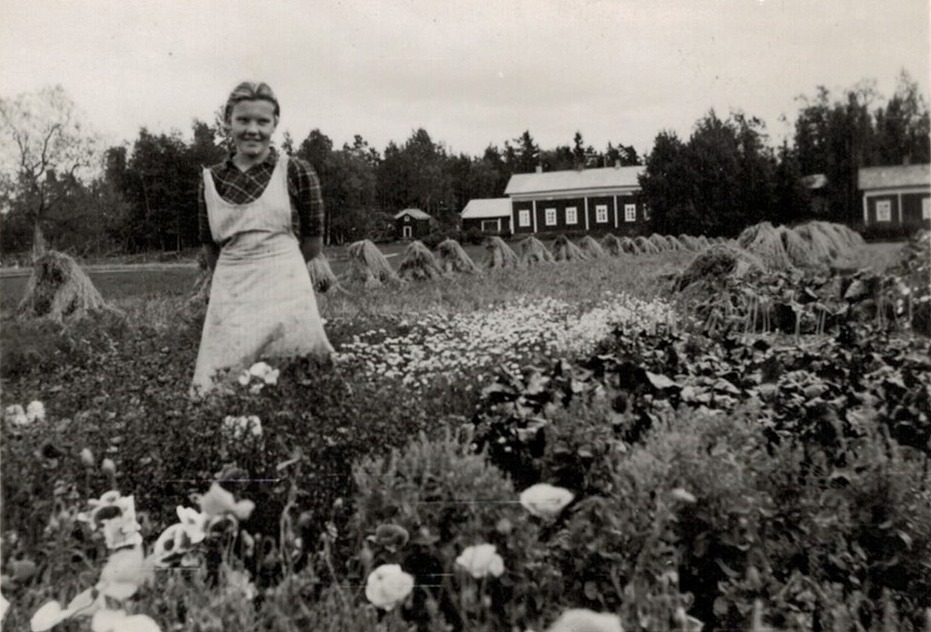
{"x": 307, "y": 198}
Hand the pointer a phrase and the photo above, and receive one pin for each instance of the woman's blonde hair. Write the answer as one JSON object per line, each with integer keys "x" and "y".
{"x": 250, "y": 91}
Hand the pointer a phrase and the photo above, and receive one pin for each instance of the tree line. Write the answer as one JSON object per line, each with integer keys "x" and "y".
{"x": 59, "y": 185}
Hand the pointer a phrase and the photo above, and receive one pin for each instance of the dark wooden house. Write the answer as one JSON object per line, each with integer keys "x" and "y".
{"x": 587, "y": 200}
{"x": 896, "y": 196}
{"x": 412, "y": 223}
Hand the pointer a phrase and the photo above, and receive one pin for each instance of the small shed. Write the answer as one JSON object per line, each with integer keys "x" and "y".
{"x": 488, "y": 215}
{"x": 412, "y": 223}
{"x": 896, "y": 196}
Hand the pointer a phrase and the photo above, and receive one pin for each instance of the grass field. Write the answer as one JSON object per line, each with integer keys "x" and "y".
{"x": 177, "y": 280}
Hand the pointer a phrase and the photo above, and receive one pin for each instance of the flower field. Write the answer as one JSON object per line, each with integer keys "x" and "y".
{"x": 577, "y": 446}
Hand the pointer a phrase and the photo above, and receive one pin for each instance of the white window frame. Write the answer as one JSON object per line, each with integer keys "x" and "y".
{"x": 549, "y": 216}
{"x": 925, "y": 209}
{"x": 495, "y": 225}
{"x": 572, "y": 215}
{"x": 883, "y": 210}
{"x": 630, "y": 212}
{"x": 601, "y": 213}
{"x": 523, "y": 217}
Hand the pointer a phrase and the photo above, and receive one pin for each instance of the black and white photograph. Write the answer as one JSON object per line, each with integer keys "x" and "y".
{"x": 465, "y": 316}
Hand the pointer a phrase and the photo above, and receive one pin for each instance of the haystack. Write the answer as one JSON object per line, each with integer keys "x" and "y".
{"x": 659, "y": 241}
{"x": 612, "y": 245}
{"x": 716, "y": 264}
{"x": 452, "y": 258}
{"x": 628, "y": 246}
{"x": 674, "y": 243}
{"x": 565, "y": 250}
{"x": 591, "y": 248}
{"x": 419, "y": 263}
{"x": 645, "y": 246}
{"x": 703, "y": 241}
{"x": 798, "y": 250}
{"x": 321, "y": 274}
{"x": 533, "y": 251}
{"x": 822, "y": 246}
{"x": 689, "y": 242}
{"x": 499, "y": 254}
{"x": 764, "y": 241}
{"x": 368, "y": 266}
{"x": 58, "y": 288}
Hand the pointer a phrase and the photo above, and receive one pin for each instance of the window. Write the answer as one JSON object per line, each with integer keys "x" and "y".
{"x": 550, "y": 217}
{"x": 926, "y": 208}
{"x": 523, "y": 218}
{"x": 884, "y": 211}
{"x": 491, "y": 225}
{"x": 601, "y": 213}
{"x": 630, "y": 212}
{"x": 572, "y": 215}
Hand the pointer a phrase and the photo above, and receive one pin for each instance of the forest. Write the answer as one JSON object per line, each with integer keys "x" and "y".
{"x": 59, "y": 184}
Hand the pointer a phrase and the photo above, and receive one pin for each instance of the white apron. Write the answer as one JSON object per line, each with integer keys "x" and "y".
{"x": 262, "y": 303}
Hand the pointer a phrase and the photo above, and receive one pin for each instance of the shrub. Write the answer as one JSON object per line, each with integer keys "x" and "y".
{"x": 447, "y": 499}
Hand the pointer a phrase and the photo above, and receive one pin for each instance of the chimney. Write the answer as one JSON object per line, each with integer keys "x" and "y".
{"x": 539, "y": 168}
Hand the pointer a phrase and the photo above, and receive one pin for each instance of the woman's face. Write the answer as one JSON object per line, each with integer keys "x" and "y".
{"x": 252, "y": 124}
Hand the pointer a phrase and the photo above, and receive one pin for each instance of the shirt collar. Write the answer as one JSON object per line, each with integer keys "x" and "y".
{"x": 271, "y": 159}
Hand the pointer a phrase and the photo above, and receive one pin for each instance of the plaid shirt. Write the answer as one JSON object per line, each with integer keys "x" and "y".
{"x": 237, "y": 187}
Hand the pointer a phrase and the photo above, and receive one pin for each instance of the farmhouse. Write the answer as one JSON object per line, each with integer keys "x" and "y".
{"x": 585, "y": 200}
{"x": 898, "y": 195}
{"x": 412, "y": 223}
{"x": 488, "y": 215}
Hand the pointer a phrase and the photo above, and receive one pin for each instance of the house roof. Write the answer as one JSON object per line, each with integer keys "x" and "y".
{"x": 574, "y": 180}
{"x": 894, "y": 177}
{"x": 416, "y": 213}
{"x": 487, "y": 208}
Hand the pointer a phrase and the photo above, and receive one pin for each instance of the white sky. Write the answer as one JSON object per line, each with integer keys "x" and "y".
{"x": 471, "y": 72}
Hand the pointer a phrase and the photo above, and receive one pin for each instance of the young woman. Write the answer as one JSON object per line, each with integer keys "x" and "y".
{"x": 261, "y": 302}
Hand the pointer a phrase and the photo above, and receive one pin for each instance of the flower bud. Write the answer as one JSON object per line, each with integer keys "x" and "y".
{"x": 108, "y": 467}
{"x": 87, "y": 457}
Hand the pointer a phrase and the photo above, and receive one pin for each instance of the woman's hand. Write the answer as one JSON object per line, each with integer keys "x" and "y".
{"x": 311, "y": 247}
{"x": 211, "y": 254}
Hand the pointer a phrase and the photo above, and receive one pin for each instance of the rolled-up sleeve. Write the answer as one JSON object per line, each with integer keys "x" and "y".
{"x": 306, "y": 197}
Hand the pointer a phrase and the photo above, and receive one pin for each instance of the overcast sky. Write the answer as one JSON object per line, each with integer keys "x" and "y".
{"x": 471, "y": 72}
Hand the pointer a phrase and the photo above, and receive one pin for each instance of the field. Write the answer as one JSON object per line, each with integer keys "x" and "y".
{"x": 488, "y": 452}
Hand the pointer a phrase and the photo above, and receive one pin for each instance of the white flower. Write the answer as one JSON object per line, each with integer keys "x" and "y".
{"x": 193, "y": 523}
{"x": 544, "y": 500}
{"x": 238, "y": 427}
{"x": 388, "y": 585}
{"x": 48, "y": 616}
{"x": 581, "y": 620}
{"x": 481, "y": 560}
{"x": 265, "y": 372}
{"x": 244, "y": 378}
{"x": 16, "y": 415}
{"x": 220, "y": 502}
{"x": 122, "y": 574}
{"x": 35, "y": 411}
{"x": 4, "y": 605}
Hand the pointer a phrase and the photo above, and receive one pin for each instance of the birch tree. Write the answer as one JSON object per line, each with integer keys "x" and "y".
{"x": 45, "y": 145}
